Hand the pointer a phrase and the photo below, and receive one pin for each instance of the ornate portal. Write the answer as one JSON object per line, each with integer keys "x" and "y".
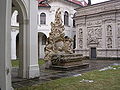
{"x": 57, "y": 42}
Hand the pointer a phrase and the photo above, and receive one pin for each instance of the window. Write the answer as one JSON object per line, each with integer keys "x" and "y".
{"x": 42, "y": 18}
{"x": 66, "y": 18}
{"x": 73, "y": 23}
{"x": 17, "y": 18}
{"x": 74, "y": 20}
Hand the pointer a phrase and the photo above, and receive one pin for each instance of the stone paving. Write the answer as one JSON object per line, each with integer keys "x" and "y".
{"x": 47, "y": 75}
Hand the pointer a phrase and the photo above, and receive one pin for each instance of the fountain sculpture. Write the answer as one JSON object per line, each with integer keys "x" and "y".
{"x": 58, "y": 51}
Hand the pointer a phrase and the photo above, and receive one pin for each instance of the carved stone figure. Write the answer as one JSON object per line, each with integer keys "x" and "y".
{"x": 80, "y": 33}
{"x": 109, "y": 43}
{"x": 57, "y": 42}
{"x": 80, "y": 43}
{"x": 67, "y": 45}
{"x": 118, "y": 42}
{"x": 109, "y": 30}
{"x": 80, "y": 39}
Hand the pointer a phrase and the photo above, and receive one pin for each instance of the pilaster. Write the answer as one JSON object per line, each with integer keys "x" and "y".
{"x": 5, "y": 45}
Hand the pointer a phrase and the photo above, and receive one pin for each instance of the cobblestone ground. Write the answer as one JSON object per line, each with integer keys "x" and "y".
{"x": 47, "y": 75}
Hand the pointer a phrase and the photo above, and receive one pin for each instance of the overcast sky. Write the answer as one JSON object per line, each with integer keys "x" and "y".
{"x": 96, "y": 1}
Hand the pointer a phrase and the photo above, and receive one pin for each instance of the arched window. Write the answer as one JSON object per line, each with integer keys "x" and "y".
{"x": 17, "y": 18}
{"x": 74, "y": 20}
{"x": 66, "y": 18}
{"x": 42, "y": 18}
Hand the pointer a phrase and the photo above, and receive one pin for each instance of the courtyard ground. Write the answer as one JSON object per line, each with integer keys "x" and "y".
{"x": 49, "y": 75}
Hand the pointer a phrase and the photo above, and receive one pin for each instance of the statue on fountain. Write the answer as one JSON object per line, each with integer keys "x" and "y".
{"x": 57, "y": 42}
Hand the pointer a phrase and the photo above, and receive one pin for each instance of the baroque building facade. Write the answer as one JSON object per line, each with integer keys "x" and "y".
{"x": 46, "y": 15}
{"x": 98, "y": 30}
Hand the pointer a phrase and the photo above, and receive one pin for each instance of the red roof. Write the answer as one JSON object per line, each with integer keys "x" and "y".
{"x": 42, "y": 3}
{"x": 72, "y": 1}
{"x": 76, "y": 2}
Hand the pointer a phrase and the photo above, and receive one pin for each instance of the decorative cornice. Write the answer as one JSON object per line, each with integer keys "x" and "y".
{"x": 106, "y": 7}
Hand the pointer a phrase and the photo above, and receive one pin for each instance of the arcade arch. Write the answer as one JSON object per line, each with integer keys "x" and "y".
{"x": 29, "y": 67}
{"x": 28, "y": 64}
{"x": 42, "y": 38}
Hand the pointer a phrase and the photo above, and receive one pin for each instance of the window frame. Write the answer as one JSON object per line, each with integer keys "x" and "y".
{"x": 43, "y": 18}
{"x": 66, "y": 18}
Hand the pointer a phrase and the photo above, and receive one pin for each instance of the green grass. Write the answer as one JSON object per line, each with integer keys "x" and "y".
{"x": 41, "y": 62}
{"x": 15, "y": 63}
{"x": 103, "y": 80}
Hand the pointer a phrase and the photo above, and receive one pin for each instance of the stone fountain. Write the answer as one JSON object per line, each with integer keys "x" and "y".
{"x": 58, "y": 51}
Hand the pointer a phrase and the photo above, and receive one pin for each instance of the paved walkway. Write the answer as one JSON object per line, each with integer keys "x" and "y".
{"x": 47, "y": 75}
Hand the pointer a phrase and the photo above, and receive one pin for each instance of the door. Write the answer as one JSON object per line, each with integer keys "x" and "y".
{"x": 93, "y": 53}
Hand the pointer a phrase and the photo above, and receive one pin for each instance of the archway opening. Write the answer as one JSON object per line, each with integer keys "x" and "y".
{"x": 42, "y": 38}
{"x": 18, "y": 38}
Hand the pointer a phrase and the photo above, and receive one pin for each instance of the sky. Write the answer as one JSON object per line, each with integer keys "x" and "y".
{"x": 96, "y": 1}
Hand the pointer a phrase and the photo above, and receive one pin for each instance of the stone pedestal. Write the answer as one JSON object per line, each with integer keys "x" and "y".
{"x": 68, "y": 62}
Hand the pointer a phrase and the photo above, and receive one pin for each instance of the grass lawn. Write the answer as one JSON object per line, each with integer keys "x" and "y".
{"x": 15, "y": 63}
{"x": 102, "y": 80}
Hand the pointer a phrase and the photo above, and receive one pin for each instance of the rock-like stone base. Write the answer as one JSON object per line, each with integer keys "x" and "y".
{"x": 68, "y": 62}
{"x": 71, "y": 67}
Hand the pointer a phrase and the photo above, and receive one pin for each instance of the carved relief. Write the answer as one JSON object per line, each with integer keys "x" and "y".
{"x": 92, "y": 38}
{"x": 94, "y": 34}
{"x": 94, "y": 23}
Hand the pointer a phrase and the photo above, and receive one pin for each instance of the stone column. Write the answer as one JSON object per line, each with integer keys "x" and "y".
{"x": 14, "y": 34}
{"x": 5, "y": 44}
{"x": 32, "y": 41}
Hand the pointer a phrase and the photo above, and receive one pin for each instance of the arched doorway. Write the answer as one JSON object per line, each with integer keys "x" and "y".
{"x": 42, "y": 38}
{"x": 19, "y": 6}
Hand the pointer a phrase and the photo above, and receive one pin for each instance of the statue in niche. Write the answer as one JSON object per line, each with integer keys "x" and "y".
{"x": 80, "y": 43}
{"x": 109, "y": 43}
{"x": 80, "y": 33}
{"x": 109, "y": 30}
{"x": 118, "y": 31}
{"x": 57, "y": 42}
{"x": 118, "y": 42}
